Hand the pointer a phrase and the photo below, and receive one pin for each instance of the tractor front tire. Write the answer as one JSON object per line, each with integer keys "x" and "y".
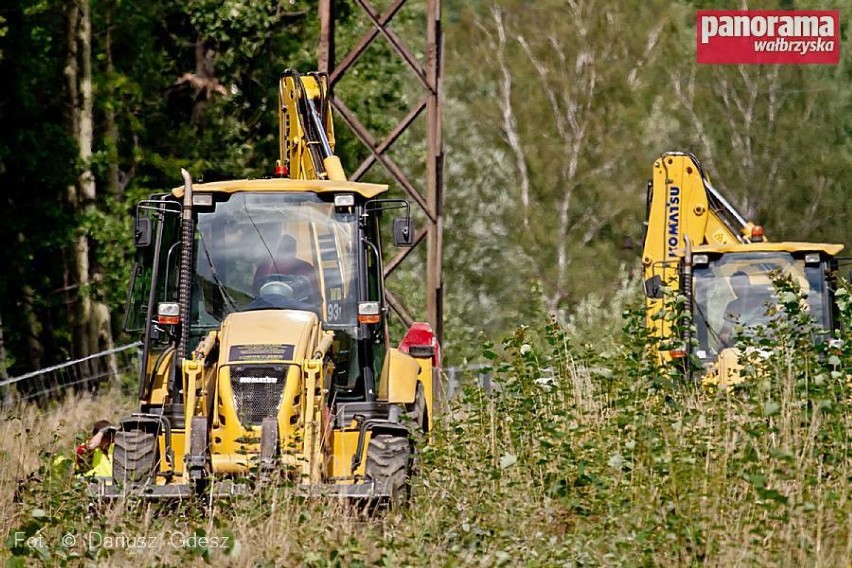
{"x": 389, "y": 466}
{"x": 134, "y": 457}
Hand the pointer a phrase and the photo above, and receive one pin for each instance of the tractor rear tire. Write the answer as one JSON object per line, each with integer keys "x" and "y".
{"x": 389, "y": 466}
{"x": 134, "y": 457}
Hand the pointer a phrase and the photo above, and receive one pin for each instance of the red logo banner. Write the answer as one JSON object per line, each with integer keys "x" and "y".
{"x": 768, "y": 36}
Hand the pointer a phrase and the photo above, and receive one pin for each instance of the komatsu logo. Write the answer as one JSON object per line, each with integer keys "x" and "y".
{"x": 259, "y": 380}
{"x": 673, "y": 221}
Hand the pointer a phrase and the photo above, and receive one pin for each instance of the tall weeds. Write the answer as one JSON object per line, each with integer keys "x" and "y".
{"x": 577, "y": 455}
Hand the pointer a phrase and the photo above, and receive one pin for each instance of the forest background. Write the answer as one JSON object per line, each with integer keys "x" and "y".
{"x": 554, "y": 113}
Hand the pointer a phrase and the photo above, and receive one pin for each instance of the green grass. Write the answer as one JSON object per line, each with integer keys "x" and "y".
{"x": 576, "y": 458}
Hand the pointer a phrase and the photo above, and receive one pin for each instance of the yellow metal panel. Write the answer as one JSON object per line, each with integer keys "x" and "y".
{"x": 399, "y": 377}
{"x": 314, "y": 405}
{"x": 228, "y": 436}
{"x": 178, "y": 437}
{"x": 288, "y": 327}
{"x": 344, "y": 444}
{"x": 425, "y": 376}
{"x": 368, "y": 190}
{"x": 230, "y": 463}
{"x": 159, "y": 390}
{"x": 299, "y": 414}
{"x": 290, "y": 414}
{"x": 792, "y": 247}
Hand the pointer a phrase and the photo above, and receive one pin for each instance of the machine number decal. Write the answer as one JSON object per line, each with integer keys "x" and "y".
{"x": 334, "y": 311}
{"x": 262, "y": 352}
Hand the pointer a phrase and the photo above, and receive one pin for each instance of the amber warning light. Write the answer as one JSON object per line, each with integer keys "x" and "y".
{"x": 369, "y": 312}
{"x": 168, "y": 313}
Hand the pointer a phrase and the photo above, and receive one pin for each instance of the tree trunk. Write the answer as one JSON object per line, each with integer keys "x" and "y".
{"x": 3, "y": 364}
{"x": 80, "y": 246}
{"x": 114, "y": 186}
{"x": 25, "y": 308}
{"x": 91, "y": 328}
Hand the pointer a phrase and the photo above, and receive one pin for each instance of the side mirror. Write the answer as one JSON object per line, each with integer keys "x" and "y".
{"x": 142, "y": 232}
{"x": 403, "y": 232}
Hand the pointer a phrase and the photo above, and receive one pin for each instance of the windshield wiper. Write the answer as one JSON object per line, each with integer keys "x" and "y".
{"x": 713, "y": 333}
{"x": 260, "y": 235}
{"x": 222, "y": 290}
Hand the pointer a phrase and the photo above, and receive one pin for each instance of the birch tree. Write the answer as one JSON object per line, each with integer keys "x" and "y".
{"x": 773, "y": 140}
{"x": 562, "y": 79}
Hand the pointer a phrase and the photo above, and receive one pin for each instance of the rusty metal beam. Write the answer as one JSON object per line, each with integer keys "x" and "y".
{"x": 435, "y": 167}
{"x": 397, "y": 43}
{"x": 428, "y": 77}
{"x": 364, "y": 42}
{"x": 390, "y": 139}
{"x": 367, "y": 140}
{"x": 399, "y": 308}
{"x": 325, "y": 50}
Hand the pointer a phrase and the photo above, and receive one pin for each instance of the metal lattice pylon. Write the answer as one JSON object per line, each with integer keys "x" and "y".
{"x": 429, "y": 77}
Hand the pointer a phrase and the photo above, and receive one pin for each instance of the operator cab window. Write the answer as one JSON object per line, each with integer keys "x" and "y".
{"x": 734, "y": 296}
{"x": 275, "y": 250}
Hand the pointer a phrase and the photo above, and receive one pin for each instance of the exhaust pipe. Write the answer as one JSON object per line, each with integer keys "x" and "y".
{"x": 185, "y": 284}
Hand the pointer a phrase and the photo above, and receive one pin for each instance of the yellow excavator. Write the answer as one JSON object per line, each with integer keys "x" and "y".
{"x": 699, "y": 246}
{"x": 265, "y": 331}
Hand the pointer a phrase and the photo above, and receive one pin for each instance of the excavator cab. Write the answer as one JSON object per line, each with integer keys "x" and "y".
{"x": 734, "y": 294}
{"x": 263, "y": 251}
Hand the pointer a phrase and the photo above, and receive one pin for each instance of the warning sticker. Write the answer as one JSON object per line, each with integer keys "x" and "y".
{"x": 262, "y": 352}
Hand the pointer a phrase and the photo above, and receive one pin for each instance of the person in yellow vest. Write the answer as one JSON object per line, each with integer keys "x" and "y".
{"x": 94, "y": 457}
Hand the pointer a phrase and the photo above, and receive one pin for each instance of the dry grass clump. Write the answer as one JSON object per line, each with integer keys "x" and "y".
{"x": 32, "y": 435}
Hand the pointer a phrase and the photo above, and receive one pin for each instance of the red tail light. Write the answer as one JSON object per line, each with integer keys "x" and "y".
{"x": 280, "y": 169}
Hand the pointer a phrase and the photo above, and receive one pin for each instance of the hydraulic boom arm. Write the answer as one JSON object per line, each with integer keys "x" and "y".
{"x": 306, "y": 141}
{"x": 684, "y": 211}
{"x": 683, "y": 203}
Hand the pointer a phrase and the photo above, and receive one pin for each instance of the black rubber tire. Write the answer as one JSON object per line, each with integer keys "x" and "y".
{"x": 389, "y": 465}
{"x": 134, "y": 457}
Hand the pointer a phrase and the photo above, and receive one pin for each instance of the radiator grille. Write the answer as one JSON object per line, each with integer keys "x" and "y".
{"x": 257, "y": 391}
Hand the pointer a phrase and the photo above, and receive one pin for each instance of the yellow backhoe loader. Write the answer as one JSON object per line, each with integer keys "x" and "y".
{"x": 264, "y": 328}
{"x": 698, "y": 245}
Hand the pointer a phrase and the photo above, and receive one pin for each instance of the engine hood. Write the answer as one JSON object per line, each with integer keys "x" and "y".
{"x": 268, "y": 335}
